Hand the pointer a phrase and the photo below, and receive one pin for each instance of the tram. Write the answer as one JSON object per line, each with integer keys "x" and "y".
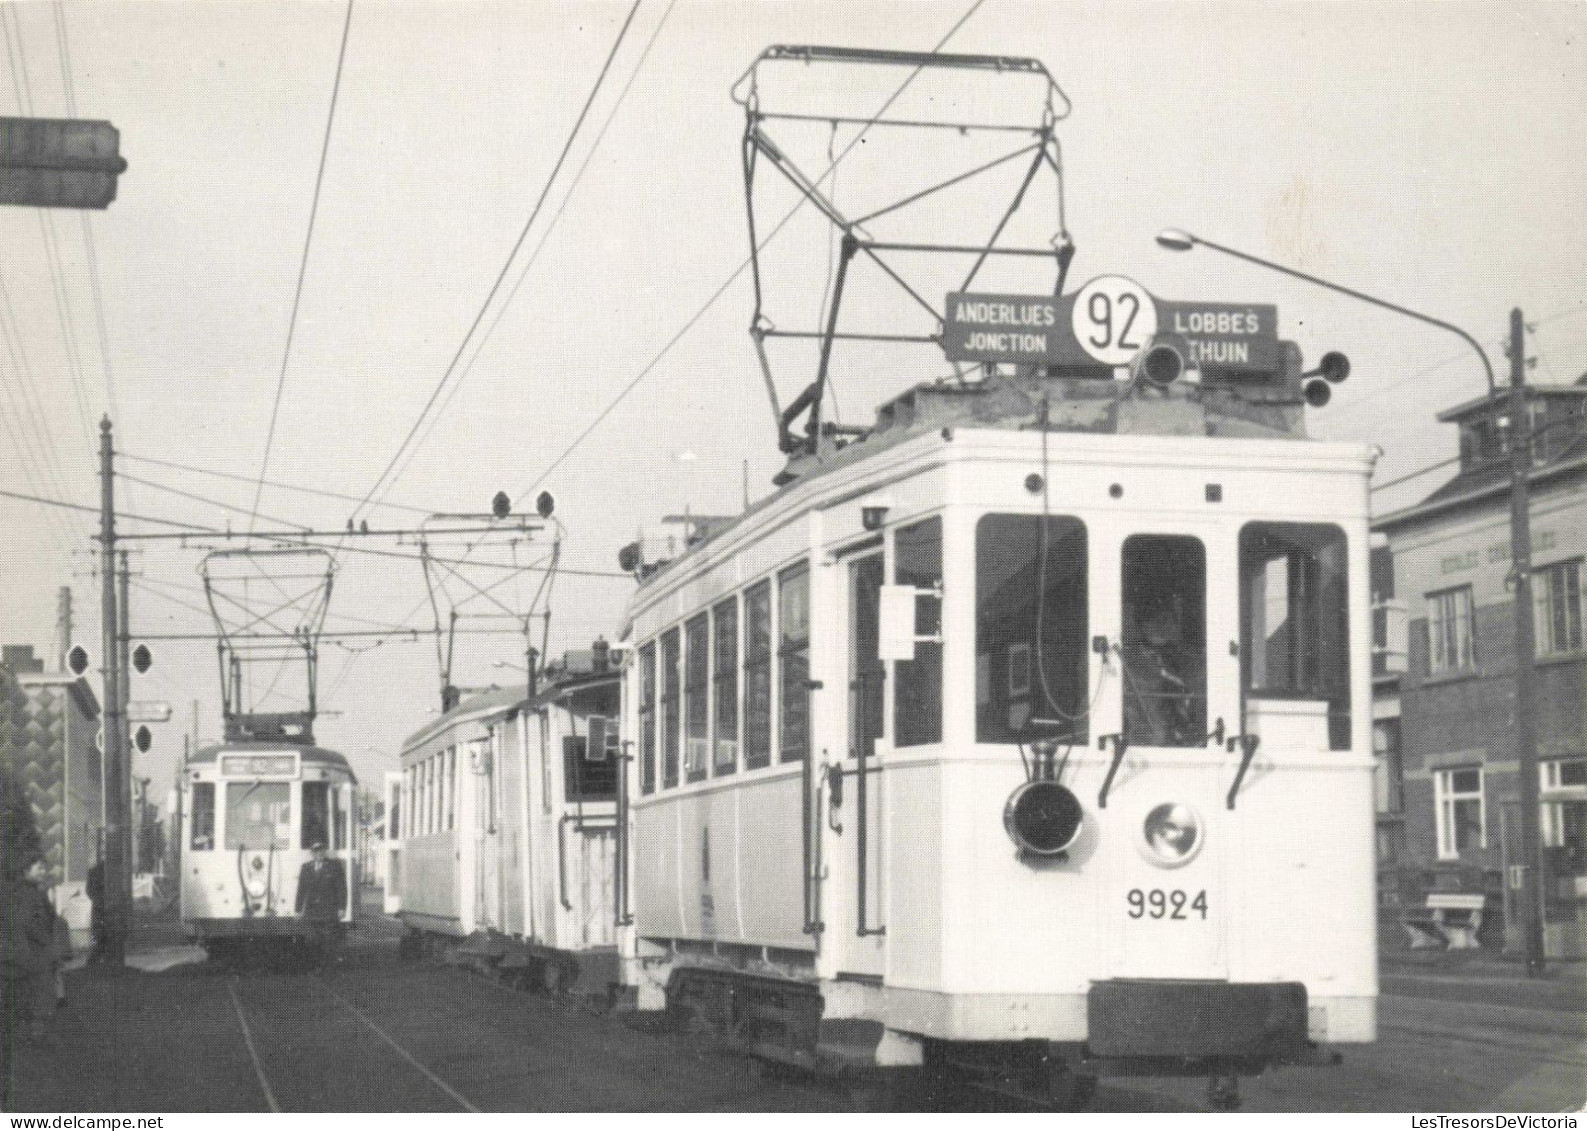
{"x": 506, "y": 829}
{"x": 254, "y": 806}
{"x": 1022, "y": 736}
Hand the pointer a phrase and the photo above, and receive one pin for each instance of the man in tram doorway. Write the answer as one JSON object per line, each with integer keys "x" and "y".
{"x": 322, "y": 894}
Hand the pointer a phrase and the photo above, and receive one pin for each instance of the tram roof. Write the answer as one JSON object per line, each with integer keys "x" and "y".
{"x": 318, "y": 755}
{"x": 571, "y": 675}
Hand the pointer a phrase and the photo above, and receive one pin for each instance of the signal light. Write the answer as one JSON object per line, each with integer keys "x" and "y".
{"x": 141, "y": 658}
{"x": 545, "y": 503}
{"x": 1318, "y": 393}
{"x": 501, "y": 505}
{"x": 77, "y": 659}
{"x": 1043, "y": 818}
{"x": 143, "y": 739}
{"x": 1333, "y": 368}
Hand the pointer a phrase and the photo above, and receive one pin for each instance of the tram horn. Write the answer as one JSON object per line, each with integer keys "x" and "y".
{"x": 1162, "y": 361}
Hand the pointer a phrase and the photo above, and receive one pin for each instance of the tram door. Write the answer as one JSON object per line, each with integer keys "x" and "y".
{"x": 854, "y": 899}
{"x": 1170, "y": 905}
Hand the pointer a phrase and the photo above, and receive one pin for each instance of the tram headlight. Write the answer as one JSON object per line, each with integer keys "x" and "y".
{"x": 1043, "y": 818}
{"x": 1171, "y": 834}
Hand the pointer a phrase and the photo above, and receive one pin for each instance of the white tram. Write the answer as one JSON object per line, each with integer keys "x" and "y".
{"x": 252, "y": 808}
{"x": 1026, "y": 736}
{"x": 505, "y": 828}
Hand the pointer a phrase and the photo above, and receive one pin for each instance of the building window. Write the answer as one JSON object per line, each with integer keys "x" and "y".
{"x": 647, "y": 719}
{"x": 1462, "y": 820}
{"x": 669, "y": 708}
{"x": 793, "y": 654}
{"x": 697, "y": 697}
{"x": 917, "y": 707}
{"x": 1388, "y": 771}
{"x": 757, "y": 676}
{"x": 1450, "y": 632}
{"x": 1564, "y": 814}
{"x": 1556, "y": 593}
{"x": 724, "y": 625}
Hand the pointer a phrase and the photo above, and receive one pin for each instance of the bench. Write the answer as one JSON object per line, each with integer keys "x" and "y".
{"x": 1449, "y": 920}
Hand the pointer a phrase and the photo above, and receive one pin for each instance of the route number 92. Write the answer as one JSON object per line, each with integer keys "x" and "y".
{"x": 1160, "y": 904}
{"x": 1113, "y": 318}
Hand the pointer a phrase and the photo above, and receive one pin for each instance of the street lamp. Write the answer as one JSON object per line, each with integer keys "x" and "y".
{"x": 1175, "y": 239}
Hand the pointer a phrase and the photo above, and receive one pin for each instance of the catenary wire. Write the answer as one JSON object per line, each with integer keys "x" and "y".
{"x": 303, "y": 264}
{"x": 506, "y": 265}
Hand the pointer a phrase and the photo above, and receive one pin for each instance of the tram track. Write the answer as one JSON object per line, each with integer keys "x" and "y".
{"x": 294, "y": 1074}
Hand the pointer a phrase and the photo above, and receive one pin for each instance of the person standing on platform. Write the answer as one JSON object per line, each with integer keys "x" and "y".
{"x": 321, "y": 898}
{"x": 95, "y": 886}
{"x": 27, "y": 945}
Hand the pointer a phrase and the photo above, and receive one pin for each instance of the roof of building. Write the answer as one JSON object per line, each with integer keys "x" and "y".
{"x": 1500, "y": 398}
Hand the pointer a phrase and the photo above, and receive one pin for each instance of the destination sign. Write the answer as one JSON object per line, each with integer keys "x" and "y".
{"x": 1107, "y": 322}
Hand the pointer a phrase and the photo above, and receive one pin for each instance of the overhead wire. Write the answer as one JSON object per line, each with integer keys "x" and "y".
{"x": 734, "y": 276}
{"x": 506, "y": 266}
{"x": 534, "y": 255}
{"x": 22, "y": 86}
{"x": 303, "y": 264}
{"x": 276, "y": 483}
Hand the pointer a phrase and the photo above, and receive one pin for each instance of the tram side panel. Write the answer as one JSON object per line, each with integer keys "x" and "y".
{"x": 431, "y": 848}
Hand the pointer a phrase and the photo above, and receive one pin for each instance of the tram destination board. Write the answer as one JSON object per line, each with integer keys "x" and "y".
{"x": 1107, "y": 322}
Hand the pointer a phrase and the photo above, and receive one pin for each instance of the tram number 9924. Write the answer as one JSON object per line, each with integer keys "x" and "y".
{"x": 1160, "y": 904}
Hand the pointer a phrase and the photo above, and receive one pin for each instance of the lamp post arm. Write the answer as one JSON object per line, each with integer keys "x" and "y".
{"x": 1487, "y": 366}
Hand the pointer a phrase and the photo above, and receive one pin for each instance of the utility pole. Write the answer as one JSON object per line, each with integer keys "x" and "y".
{"x": 63, "y": 624}
{"x": 1525, "y": 645}
{"x": 118, "y": 882}
{"x": 129, "y": 829}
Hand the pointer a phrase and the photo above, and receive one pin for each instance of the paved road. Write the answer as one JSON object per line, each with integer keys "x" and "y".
{"x": 375, "y": 1035}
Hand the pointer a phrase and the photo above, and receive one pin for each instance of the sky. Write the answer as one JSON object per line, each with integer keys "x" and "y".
{"x": 1429, "y": 153}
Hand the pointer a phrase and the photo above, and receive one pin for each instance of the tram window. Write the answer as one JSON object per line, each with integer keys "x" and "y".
{"x": 647, "y": 719}
{"x": 202, "y": 820}
{"x": 450, "y": 786}
{"x": 1294, "y": 617}
{"x": 725, "y": 629}
{"x": 1165, "y": 640}
{"x": 339, "y": 821}
{"x": 793, "y": 616}
{"x": 757, "y": 676}
{"x": 585, "y": 778}
{"x": 697, "y": 697}
{"x": 669, "y": 708}
{"x": 917, "y": 706}
{"x": 316, "y": 813}
{"x": 1031, "y": 626}
{"x": 259, "y": 814}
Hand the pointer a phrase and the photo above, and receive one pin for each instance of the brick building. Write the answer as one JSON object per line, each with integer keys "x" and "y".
{"x": 1449, "y": 810}
{"x": 48, "y": 724}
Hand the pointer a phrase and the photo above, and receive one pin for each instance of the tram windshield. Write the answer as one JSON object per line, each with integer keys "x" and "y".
{"x": 1294, "y": 616}
{"x": 1165, "y": 640}
{"x": 1031, "y": 628}
{"x": 259, "y": 814}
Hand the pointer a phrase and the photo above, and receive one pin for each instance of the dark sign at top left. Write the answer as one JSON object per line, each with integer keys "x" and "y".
{"x": 59, "y": 162}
